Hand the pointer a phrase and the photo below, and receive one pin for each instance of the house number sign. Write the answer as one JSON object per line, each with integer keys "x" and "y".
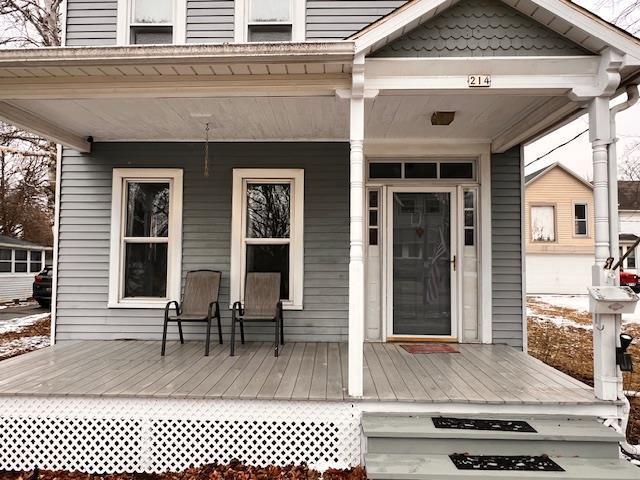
{"x": 475, "y": 81}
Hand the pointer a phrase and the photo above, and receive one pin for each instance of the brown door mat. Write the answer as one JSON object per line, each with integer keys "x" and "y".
{"x": 430, "y": 348}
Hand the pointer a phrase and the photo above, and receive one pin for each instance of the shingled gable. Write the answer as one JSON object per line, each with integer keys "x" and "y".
{"x": 472, "y": 28}
{"x": 576, "y": 26}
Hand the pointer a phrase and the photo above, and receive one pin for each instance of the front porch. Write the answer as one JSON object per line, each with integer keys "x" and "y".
{"x": 477, "y": 374}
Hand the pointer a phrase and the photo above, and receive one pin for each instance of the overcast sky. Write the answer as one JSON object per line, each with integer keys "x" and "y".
{"x": 577, "y": 154}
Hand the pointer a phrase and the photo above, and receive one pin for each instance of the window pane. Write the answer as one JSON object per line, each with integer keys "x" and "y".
{"x": 5, "y": 267}
{"x": 5, "y": 254}
{"x": 147, "y": 209}
{"x": 268, "y": 210}
{"x": 456, "y": 170}
{"x": 373, "y": 237}
{"x": 270, "y": 11}
{"x": 468, "y": 199}
{"x": 21, "y": 254}
{"x": 373, "y": 198}
{"x": 420, "y": 170}
{"x": 151, "y": 35}
{"x": 469, "y": 235}
{"x": 153, "y": 11}
{"x": 35, "y": 267}
{"x": 469, "y": 221}
{"x": 270, "y": 258}
{"x": 631, "y": 259}
{"x": 145, "y": 270}
{"x": 373, "y": 218}
{"x": 543, "y": 224}
{"x": 581, "y": 227}
{"x": 580, "y": 211}
{"x": 270, "y": 33}
{"x": 385, "y": 170}
{"x": 21, "y": 267}
{"x": 36, "y": 256}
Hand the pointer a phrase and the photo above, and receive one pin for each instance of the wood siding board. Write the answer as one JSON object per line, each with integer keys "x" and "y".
{"x": 85, "y": 225}
{"x": 506, "y": 239}
{"x": 91, "y": 23}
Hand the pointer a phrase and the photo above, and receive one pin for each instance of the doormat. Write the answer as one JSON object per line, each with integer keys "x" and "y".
{"x": 520, "y": 463}
{"x": 429, "y": 348}
{"x": 481, "y": 424}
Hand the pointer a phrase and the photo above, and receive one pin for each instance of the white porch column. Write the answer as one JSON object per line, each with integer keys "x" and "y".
{"x": 605, "y": 331}
{"x": 356, "y": 252}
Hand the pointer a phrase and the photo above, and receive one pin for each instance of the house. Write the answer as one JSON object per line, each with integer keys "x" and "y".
{"x": 391, "y": 135}
{"x": 20, "y": 261}
{"x": 559, "y": 222}
{"x": 629, "y": 218}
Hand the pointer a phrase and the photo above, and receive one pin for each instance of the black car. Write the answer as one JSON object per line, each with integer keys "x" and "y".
{"x": 42, "y": 287}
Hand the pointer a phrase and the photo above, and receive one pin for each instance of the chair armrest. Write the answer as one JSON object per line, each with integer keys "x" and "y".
{"x": 237, "y": 309}
{"x": 211, "y": 310}
{"x": 280, "y": 308}
{"x": 168, "y": 307}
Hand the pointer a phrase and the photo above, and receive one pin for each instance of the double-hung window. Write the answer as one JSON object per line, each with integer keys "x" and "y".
{"x": 543, "y": 223}
{"x": 580, "y": 219}
{"x": 267, "y": 231}
{"x": 151, "y": 22}
{"x": 146, "y": 237}
{"x": 270, "y": 21}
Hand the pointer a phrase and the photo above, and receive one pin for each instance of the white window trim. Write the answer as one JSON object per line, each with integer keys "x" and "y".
{"x": 12, "y": 262}
{"x": 242, "y": 176}
{"x": 174, "y": 250}
{"x": 586, "y": 220}
{"x": 179, "y": 25}
{"x": 298, "y": 21}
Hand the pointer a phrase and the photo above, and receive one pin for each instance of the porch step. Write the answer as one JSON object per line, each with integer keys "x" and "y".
{"x": 554, "y": 436}
{"x": 440, "y": 467}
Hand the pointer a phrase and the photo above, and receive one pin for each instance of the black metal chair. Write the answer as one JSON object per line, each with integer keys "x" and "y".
{"x": 199, "y": 304}
{"x": 261, "y": 304}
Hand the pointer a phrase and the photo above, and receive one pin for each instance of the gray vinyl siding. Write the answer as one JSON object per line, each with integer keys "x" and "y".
{"x": 338, "y": 19}
{"x": 210, "y": 21}
{"x": 506, "y": 247}
{"x": 91, "y": 22}
{"x": 473, "y": 28}
{"x": 85, "y": 211}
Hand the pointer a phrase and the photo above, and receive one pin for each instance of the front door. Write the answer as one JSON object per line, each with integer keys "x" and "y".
{"x": 422, "y": 262}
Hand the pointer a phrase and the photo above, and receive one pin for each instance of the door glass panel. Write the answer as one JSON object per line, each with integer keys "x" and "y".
{"x": 421, "y": 264}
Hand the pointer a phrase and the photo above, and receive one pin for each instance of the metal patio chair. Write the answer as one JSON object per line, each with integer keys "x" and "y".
{"x": 261, "y": 304}
{"x": 199, "y": 304}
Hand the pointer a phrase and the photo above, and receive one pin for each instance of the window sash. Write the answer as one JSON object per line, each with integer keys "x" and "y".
{"x": 535, "y": 220}
{"x": 133, "y": 23}
{"x": 579, "y": 220}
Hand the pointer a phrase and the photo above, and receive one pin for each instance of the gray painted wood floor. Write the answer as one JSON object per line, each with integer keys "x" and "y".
{"x": 304, "y": 371}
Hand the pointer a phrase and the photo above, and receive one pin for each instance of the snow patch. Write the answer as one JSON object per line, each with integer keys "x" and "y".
{"x": 19, "y": 345}
{"x": 17, "y": 324}
{"x": 579, "y": 303}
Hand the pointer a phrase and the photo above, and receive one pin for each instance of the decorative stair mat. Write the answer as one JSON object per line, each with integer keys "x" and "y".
{"x": 429, "y": 348}
{"x": 499, "y": 462}
{"x": 480, "y": 424}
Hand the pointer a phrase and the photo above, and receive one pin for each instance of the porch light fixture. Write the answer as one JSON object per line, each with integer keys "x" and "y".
{"x": 442, "y": 118}
{"x": 623, "y": 359}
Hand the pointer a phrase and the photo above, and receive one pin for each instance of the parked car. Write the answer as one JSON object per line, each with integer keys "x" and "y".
{"x": 629, "y": 279}
{"x": 42, "y": 287}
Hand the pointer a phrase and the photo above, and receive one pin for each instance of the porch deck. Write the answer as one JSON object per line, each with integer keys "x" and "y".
{"x": 488, "y": 374}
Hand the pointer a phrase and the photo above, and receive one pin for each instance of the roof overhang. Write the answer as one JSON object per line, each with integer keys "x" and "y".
{"x": 255, "y": 69}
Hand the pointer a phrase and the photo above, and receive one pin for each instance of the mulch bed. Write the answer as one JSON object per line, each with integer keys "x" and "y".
{"x": 235, "y": 470}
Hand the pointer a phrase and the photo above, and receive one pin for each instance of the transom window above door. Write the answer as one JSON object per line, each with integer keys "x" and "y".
{"x": 419, "y": 169}
{"x": 267, "y": 235}
{"x": 270, "y": 21}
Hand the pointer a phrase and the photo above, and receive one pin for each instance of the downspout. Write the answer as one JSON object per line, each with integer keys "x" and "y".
{"x": 614, "y": 239}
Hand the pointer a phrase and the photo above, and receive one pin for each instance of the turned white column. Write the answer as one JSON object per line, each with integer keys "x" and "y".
{"x": 356, "y": 227}
{"x": 605, "y": 326}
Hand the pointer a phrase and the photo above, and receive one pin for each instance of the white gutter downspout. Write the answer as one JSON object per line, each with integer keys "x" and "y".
{"x": 614, "y": 232}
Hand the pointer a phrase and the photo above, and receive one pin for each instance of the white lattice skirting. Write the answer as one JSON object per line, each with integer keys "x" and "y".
{"x": 155, "y": 435}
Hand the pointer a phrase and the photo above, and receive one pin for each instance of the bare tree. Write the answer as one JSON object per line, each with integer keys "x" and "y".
{"x": 27, "y": 163}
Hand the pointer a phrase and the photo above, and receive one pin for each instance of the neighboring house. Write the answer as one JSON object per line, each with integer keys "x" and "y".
{"x": 371, "y": 152}
{"x": 558, "y": 231}
{"x": 20, "y": 261}
{"x": 629, "y": 211}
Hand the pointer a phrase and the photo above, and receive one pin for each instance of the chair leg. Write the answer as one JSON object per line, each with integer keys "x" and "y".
{"x": 281, "y": 330}
{"x": 180, "y": 331}
{"x": 164, "y": 337}
{"x": 219, "y": 328}
{"x": 241, "y": 331}
{"x": 208, "y": 339}
{"x": 233, "y": 336}
{"x": 277, "y": 337}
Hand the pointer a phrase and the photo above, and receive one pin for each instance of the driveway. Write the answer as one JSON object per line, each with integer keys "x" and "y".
{"x": 20, "y": 311}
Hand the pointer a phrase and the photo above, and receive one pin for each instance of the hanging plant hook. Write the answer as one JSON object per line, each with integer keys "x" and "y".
{"x": 206, "y": 149}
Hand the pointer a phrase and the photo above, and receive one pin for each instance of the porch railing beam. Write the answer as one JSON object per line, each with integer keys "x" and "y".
{"x": 357, "y": 212}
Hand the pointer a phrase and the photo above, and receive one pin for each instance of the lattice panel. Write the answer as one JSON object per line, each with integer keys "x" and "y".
{"x": 148, "y": 435}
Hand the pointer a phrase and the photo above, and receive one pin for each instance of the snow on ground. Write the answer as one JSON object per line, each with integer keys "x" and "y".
{"x": 579, "y": 303}
{"x": 17, "y": 324}
{"x": 23, "y": 344}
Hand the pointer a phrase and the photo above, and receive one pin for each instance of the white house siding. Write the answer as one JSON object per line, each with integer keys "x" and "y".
{"x": 85, "y": 223}
{"x": 210, "y": 21}
{"x": 91, "y": 22}
{"x": 558, "y": 274}
{"x": 16, "y": 286}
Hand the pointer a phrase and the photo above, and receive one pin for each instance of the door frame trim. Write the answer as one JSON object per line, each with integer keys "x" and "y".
{"x": 387, "y": 254}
